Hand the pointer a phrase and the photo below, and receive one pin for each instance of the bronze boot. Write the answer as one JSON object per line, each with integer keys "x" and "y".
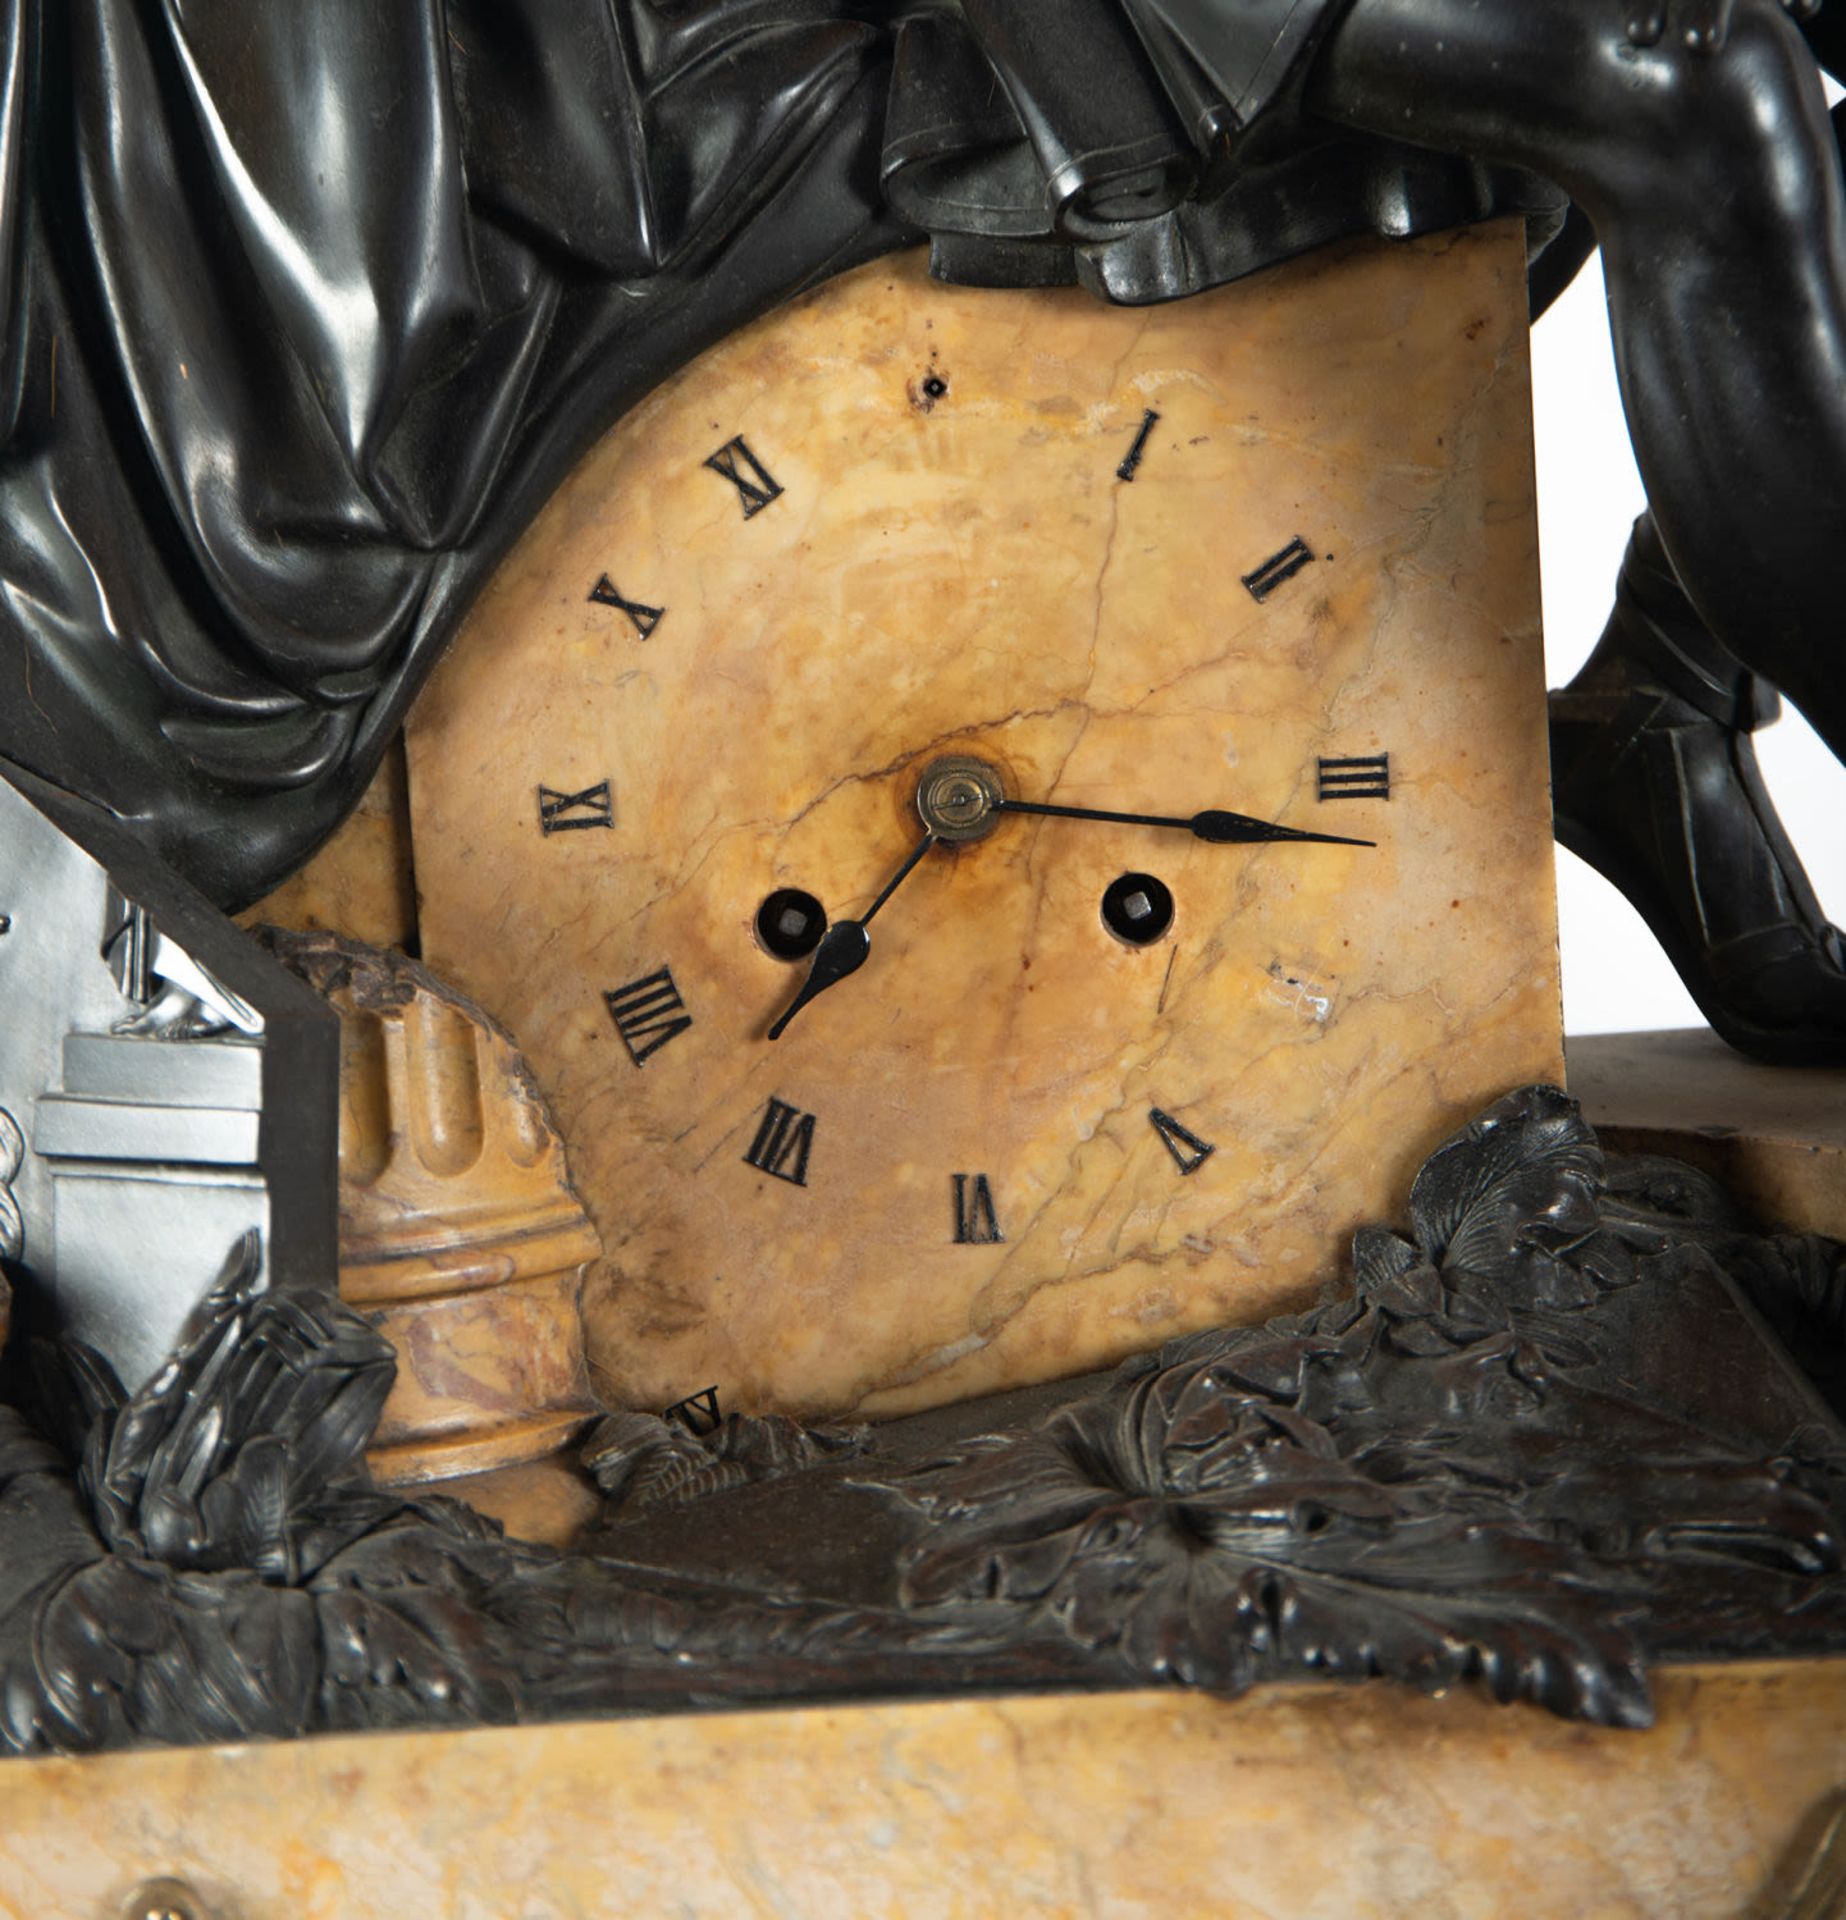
{"x": 1655, "y": 783}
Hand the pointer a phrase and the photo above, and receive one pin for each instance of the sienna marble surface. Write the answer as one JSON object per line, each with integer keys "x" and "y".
{"x": 1311, "y": 1803}
{"x": 1775, "y": 1136}
{"x": 943, "y": 557}
{"x": 461, "y": 1238}
{"x": 360, "y": 882}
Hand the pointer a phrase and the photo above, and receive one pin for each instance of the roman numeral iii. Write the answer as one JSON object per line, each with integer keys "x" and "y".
{"x": 644, "y": 618}
{"x": 976, "y": 1223}
{"x": 648, "y": 1013}
{"x": 1189, "y": 1152}
{"x": 569, "y": 812}
{"x": 1367, "y": 777}
{"x": 1263, "y": 581}
{"x": 757, "y": 488}
{"x": 784, "y": 1139}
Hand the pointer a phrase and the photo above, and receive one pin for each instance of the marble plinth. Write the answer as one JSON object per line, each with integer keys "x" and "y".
{"x": 1271, "y": 550}
{"x": 1315, "y": 1803}
{"x": 1774, "y": 1137}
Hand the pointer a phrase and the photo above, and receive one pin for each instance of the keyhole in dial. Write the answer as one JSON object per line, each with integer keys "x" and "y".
{"x": 789, "y": 923}
{"x": 1137, "y": 908}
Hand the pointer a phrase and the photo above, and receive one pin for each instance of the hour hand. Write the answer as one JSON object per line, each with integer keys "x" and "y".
{"x": 846, "y": 945}
{"x": 1214, "y": 824}
{"x": 844, "y": 949}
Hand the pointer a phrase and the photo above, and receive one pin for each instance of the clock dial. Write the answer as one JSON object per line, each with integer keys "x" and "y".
{"x": 1257, "y": 570}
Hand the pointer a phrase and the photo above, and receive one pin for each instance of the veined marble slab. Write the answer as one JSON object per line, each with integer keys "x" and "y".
{"x": 1319, "y": 1803}
{"x": 1272, "y": 550}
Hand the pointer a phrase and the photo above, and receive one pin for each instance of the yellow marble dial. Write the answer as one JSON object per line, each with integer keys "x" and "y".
{"x": 1269, "y": 551}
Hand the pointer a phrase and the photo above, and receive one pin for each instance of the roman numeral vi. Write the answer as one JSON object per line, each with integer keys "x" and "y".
{"x": 648, "y": 1013}
{"x": 976, "y": 1224}
{"x": 698, "y": 1413}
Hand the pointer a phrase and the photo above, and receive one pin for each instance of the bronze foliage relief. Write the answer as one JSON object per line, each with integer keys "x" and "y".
{"x": 1498, "y": 1456}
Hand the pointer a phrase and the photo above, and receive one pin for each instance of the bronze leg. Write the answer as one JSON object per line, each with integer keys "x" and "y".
{"x": 1713, "y": 180}
{"x": 1655, "y": 784}
{"x": 1695, "y": 137}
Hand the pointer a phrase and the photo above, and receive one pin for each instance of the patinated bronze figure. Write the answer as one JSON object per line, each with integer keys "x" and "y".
{"x": 274, "y": 415}
{"x": 1698, "y": 145}
{"x": 306, "y": 314}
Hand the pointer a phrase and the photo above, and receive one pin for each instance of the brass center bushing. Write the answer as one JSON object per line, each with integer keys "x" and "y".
{"x": 958, "y": 797}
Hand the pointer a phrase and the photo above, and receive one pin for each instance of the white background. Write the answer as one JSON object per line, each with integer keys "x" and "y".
{"x": 1615, "y": 976}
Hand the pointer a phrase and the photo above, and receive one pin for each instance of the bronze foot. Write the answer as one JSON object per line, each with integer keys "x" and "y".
{"x": 1656, "y": 785}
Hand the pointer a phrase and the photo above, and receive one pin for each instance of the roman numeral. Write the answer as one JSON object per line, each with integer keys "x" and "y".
{"x": 570, "y": 812}
{"x": 1132, "y": 458}
{"x": 645, "y": 618}
{"x": 647, "y": 1014}
{"x": 755, "y": 493}
{"x": 1189, "y": 1152}
{"x": 697, "y": 1413}
{"x": 976, "y": 1224}
{"x": 1277, "y": 568}
{"x": 784, "y": 1139}
{"x": 1364, "y": 778}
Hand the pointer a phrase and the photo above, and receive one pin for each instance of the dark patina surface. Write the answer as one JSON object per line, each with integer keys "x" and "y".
{"x": 1544, "y": 1441}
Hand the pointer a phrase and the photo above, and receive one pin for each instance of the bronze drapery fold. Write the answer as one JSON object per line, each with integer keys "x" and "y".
{"x": 307, "y": 309}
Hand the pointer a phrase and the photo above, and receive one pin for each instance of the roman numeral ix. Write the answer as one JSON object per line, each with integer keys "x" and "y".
{"x": 1367, "y": 777}
{"x": 644, "y": 617}
{"x": 1189, "y": 1152}
{"x": 1279, "y": 567}
{"x": 570, "y": 812}
{"x": 755, "y": 490}
{"x": 784, "y": 1139}
{"x": 648, "y": 1013}
{"x": 976, "y": 1223}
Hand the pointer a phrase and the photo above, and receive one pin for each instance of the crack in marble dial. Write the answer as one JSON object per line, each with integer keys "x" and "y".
{"x": 1314, "y": 603}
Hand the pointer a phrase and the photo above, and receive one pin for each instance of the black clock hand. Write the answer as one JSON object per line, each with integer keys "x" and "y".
{"x": 1224, "y": 829}
{"x": 846, "y": 945}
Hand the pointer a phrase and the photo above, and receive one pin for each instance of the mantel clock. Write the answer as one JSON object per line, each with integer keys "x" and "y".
{"x": 1006, "y": 827}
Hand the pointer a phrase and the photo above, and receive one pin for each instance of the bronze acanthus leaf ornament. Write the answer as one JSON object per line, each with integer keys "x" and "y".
{"x": 1500, "y": 1456}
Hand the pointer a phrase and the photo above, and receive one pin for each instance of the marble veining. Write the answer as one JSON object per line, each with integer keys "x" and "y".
{"x": 972, "y": 575}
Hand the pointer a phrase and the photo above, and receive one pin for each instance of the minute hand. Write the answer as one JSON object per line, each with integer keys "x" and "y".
{"x": 1225, "y": 829}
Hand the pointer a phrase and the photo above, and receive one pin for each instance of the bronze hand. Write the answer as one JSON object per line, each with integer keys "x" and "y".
{"x": 1223, "y": 829}
{"x": 846, "y": 945}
